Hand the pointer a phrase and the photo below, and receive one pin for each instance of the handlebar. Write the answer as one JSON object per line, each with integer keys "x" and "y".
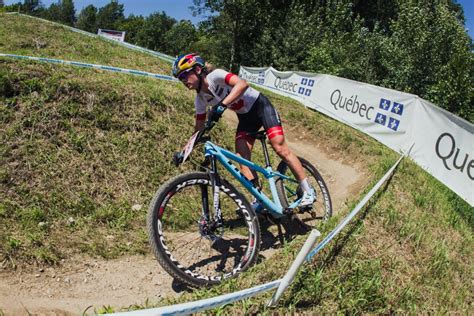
{"x": 214, "y": 115}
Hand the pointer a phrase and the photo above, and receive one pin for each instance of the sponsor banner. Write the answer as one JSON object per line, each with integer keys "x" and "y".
{"x": 112, "y": 34}
{"x": 444, "y": 147}
{"x": 396, "y": 119}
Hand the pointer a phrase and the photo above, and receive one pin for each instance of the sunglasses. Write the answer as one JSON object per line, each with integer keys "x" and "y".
{"x": 184, "y": 75}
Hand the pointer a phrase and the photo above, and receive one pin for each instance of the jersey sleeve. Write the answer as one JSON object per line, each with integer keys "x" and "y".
{"x": 200, "y": 108}
{"x": 221, "y": 76}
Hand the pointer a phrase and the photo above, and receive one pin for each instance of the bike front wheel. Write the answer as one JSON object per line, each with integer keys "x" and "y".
{"x": 289, "y": 191}
{"x": 196, "y": 248}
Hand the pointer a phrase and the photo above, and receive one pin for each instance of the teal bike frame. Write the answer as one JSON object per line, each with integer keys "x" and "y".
{"x": 225, "y": 157}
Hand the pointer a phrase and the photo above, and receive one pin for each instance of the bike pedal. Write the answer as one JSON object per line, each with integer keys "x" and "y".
{"x": 306, "y": 208}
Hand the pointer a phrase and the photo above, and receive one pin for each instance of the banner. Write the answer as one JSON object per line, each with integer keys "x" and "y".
{"x": 112, "y": 34}
{"x": 442, "y": 143}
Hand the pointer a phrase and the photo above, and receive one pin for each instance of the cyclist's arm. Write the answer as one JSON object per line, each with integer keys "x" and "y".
{"x": 238, "y": 88}
{"x": 200, "y": 113}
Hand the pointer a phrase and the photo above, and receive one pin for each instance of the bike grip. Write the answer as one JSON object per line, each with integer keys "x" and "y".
{"x": 178, "y": 158}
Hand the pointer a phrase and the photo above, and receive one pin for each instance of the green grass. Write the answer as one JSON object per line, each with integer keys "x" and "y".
{"x": 87, "y": 145}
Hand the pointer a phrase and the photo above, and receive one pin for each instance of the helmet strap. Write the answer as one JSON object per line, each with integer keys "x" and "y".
{"x": 200, "y": 80}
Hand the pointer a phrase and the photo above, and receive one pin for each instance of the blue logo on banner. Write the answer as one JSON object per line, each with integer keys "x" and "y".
{"x": 390, "y": 107}
{"x": 306, "y": 82}
{"x": 385, "y": 104}
{"x": 380, "y": 119}
{"x": 393, "y": 124}
{"x": 397, "y": 108}
{"x": 261, "y": 77}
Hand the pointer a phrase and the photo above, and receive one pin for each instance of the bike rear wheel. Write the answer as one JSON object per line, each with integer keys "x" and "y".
{"x": 289, "y": 191}
{"x": 192, "y": 246}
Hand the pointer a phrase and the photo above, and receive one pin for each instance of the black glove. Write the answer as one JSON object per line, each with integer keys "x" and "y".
{"x": 216, "y": 112}
{"x": 178, "y": 158}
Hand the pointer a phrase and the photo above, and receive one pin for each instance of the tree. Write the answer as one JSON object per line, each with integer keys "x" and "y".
{"x": 237, "y": 28}
{"x": 110, "y": 15}
{"x": 87, "y": 19}
{"x": 63, "y": 12}
{"x": 1, "y": 4}
{"x": 31, "y": 6}
{"x": 132, "y": 25}
{"x": 433, "y": 57}
{"x": 180, "y": 37}
{"x": 153, "y": 32}
{"x": 67, "y": 12}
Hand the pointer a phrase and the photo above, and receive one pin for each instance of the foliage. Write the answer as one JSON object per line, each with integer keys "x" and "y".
{"x": 419, "y": 47}
{"x": 110, "y": 15}
{"x": 415, "y": 46}
{"x": 63, "y": 11}
{"x": 87, "y": 19}
{"x": 180, "y": 37}
{"x": 152, "y": 34}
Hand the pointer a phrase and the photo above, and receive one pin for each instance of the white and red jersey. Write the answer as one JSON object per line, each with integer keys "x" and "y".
{"x": 218, "y": 81}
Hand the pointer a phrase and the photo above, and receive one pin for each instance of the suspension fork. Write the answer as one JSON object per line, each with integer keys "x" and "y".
{"x": 215, "y": 186}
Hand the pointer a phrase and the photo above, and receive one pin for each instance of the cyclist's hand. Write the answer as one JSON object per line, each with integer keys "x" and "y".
{"x": 216, "y": 112}
{"x": 178, "y": 158}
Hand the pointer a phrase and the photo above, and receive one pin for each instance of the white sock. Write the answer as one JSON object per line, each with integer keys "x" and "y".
{"x": 305, "y": 185}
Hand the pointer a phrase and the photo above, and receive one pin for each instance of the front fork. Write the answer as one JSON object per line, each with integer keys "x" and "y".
{"x": 209, "y": 226}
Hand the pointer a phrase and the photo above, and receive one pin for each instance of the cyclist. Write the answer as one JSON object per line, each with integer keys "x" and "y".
{"x": 221, "y": 88}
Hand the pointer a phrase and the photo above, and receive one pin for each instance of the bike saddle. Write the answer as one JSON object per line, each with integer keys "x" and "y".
{"x": 258, "y": 135}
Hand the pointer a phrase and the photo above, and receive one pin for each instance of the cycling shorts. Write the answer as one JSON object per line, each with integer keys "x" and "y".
{"x": 261, "y": 114}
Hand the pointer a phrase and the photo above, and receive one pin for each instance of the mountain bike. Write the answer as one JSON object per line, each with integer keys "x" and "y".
{"x": 202, "y": 229}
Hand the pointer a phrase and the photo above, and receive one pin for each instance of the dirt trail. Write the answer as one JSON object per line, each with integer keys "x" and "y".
{"x": 82, "y": 282}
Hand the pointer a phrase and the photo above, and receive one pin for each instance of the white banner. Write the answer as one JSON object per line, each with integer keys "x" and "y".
{"x": 112, "y": 34}
{"x": 442, "y": 142}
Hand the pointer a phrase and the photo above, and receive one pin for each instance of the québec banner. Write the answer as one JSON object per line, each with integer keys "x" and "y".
{"x": 438, "y": 141}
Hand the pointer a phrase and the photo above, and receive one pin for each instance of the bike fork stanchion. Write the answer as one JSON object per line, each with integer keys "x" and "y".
{"x": 290, "y": 275}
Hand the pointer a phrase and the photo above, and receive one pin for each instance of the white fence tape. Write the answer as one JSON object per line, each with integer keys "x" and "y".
{"x": 165, "y": 57}
{"x": 201, "y": 305}
{"x": 290, "y": 275}
{"x": 85, "y": 65}
{"x": 356, "y": 210}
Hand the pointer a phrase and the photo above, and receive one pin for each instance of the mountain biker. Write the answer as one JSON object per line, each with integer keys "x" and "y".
{"x": 221, "y": 88}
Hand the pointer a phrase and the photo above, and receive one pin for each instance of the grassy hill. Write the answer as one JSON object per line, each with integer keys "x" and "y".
{"x": 79, "y": 148}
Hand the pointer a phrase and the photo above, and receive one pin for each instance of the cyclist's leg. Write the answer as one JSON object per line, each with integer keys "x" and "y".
{"x": 272, "y": 124}
{"x": 243, "y": 147}
{"x": 248, "y": 123}
{"x": 274, "y": 130}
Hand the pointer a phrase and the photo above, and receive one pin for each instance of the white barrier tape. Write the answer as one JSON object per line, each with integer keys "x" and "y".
{"x": 85, "y": 65}
{"x": 290, "y": 275}
{"x": 201, "y": 305}
{"x": 359, "y": 206}
{"x": 165, "y": 57}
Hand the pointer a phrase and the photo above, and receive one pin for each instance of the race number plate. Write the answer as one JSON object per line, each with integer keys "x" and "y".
{"x": 189, "y": 146}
